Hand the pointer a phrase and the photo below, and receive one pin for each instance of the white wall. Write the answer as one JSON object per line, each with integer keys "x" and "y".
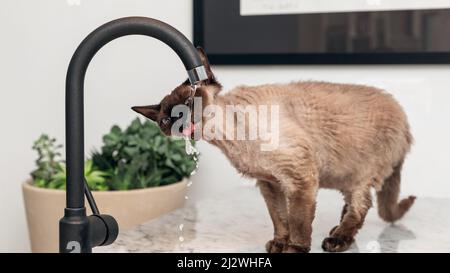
{"x": 39, "y": 37}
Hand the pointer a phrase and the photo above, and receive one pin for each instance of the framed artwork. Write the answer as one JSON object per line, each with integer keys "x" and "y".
{"x": 240, "y": 32}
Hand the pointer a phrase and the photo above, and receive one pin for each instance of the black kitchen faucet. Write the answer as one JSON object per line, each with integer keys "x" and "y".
{"x": 77, "y": 231}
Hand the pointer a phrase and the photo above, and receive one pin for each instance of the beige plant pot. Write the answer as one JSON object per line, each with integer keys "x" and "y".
{"x": 44, "y": 208}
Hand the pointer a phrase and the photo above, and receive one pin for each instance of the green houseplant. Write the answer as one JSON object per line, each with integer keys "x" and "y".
{"x": 51, "y": 171}
{"x": 141, "y": 156}
{"x": 136, "y": 175}
{"x": 135, "y": 158}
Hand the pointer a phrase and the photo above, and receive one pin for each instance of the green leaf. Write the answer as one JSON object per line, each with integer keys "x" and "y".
{"x": 115, "y": 130}
{"x": 176, "y": 157}
{"x": 139, "y": 156}
{"x": 87, "y": 166}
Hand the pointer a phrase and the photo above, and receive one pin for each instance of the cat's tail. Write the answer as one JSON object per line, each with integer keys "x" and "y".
{"x": 389, "y": 208}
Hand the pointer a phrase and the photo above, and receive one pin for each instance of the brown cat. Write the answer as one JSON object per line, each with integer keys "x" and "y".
{"x": 346, "y": 137}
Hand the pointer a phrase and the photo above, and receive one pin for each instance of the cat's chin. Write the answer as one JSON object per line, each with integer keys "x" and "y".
{"x": 194, "y": 127}
{"x": 189, "y": 130}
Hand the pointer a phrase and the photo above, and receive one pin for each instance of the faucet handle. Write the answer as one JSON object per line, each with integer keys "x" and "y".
{"x": 103, "y": 229}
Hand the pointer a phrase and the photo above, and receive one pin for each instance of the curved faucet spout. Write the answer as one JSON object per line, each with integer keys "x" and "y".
{"x": 74, "y": 100}
{"x": 75, "y": 83}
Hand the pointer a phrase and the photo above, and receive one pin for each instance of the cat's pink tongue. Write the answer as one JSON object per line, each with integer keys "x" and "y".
{"x": 189, "y": 129}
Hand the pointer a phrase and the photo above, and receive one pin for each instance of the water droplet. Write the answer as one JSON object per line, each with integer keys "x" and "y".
{"x": 186, "y": 197}
{"x": 190, "y": 149}
{"x": 181, "y": 239}
{"x": 181, "y": 227}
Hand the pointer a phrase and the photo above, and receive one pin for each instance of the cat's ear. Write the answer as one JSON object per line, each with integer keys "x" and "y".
{"x": 149, "y": 111}
{"x": 206, "y": 64}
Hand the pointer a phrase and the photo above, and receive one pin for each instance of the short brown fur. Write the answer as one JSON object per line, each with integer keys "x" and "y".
{"x": 339, "y": 136}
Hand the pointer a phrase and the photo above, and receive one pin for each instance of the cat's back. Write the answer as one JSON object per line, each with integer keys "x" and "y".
{"x": 337, "y": 95}
{"x": 363, "y": 109}
{"x": 342, "y": 124}
{"x": 359, "y": 123}
{"x": 309, "y": 92}
{"x": 321, "y": 103}
{"x": 322, "y": 98}
{"x": 370, "y": 106}
{"x": 358, "y": 115}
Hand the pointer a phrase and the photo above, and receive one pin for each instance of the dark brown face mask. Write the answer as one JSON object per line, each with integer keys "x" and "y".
{"x": 176, "y": 109}
{"x": 183, "y": 95}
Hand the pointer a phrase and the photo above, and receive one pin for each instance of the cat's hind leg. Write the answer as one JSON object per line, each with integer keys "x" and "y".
{"x": 358, "y": 202}
{"x": 276, "y": 204}
{"x": 344, "y": 211}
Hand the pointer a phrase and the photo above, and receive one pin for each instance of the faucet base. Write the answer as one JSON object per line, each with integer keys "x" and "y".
{"x": 74, "y": 232}
{"x": 79, "y": 233}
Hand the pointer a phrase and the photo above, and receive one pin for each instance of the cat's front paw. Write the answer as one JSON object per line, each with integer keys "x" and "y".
{"x": 336, "y": 244}
{"x": 275, "y": 245}
{"x": 294, "y": 248}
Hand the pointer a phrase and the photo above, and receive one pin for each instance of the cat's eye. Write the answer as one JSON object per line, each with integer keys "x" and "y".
{"x": 165, "y": 121}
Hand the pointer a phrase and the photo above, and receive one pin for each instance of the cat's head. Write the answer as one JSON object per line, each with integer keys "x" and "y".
{"x": 182, "y": 97}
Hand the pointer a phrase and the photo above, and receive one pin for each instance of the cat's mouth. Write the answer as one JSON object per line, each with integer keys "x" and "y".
{"x": 189, "y": 130}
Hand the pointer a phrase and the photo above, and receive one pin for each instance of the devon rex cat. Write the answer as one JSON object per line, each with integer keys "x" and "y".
{"x": 339, "y": 136}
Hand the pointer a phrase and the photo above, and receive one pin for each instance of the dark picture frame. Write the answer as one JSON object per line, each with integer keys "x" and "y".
{"x": 313, "y": 58}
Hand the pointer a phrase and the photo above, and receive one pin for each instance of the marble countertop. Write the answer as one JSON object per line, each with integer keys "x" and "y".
{"x": 237, "y": 221}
